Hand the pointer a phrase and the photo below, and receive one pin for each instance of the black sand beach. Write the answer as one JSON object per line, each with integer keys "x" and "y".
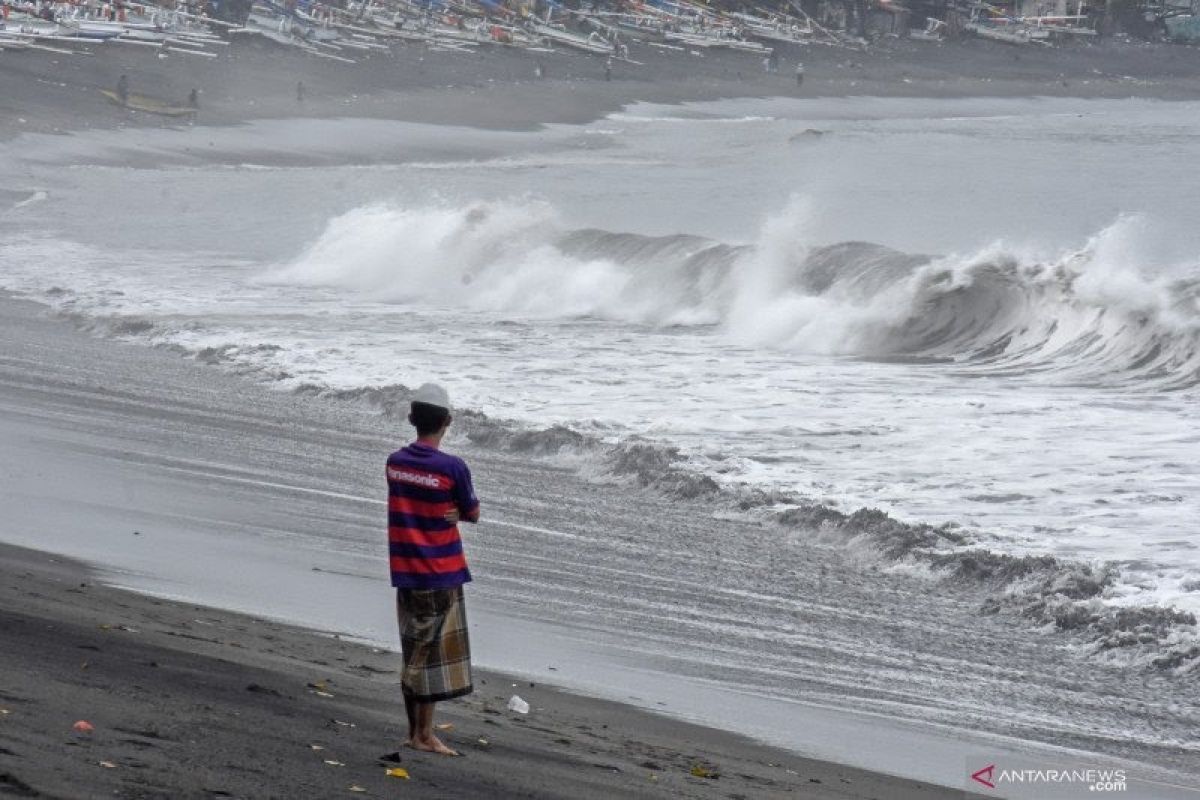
{"x": 188, "y": 701}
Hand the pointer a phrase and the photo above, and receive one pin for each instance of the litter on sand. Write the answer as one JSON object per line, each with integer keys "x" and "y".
{"x": 83, "y": 726}
{"x": 108, "y": 765}
{"x": 518, "y": 705}
{"x": 356, "y": 788}
{"x": 316, "y": 747}
{"x": 445, "y": 726}
{"x": 704, "y": 772}
{"x": 333, "y": 763}
{"x": 397, "y": 772}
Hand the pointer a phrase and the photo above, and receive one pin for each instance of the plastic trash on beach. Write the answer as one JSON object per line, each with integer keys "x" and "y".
{"x": 333, "y": 762}
{"x": 397, "y": 772}
{"x": 701, "y": 771}
{"x": 108, "y": 765}
{"x": 515, "y": 703}
{"x": 356, "y": 788}
{"x": 83, "y": 726}
{"x": 444, "y": 726}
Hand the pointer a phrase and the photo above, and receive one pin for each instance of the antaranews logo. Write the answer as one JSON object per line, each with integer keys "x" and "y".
{"x": 984, "y": 776}
{"x": 1091, "y": 779}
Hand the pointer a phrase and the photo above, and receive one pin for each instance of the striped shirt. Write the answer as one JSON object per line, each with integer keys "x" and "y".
{"x": 424, "y": 549}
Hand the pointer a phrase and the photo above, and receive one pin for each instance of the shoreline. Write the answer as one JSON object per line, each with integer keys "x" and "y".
{"x": 188, "y": 700}
{"x": 196, "y": 514}
{"x": 496, "y": 88}
{"x": 493, "y": 91}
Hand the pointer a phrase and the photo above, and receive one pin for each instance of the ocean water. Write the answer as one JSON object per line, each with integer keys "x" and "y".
{"x": 982, "y": 315}
{"x": 978, "y": 317}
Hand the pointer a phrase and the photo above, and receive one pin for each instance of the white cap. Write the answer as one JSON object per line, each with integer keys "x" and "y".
{"x": 433, "y": 395}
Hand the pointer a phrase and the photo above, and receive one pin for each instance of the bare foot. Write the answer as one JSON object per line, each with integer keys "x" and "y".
{"x": 432, "y": 744}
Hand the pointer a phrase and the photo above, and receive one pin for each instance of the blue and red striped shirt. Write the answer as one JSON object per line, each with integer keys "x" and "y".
{"x": 424, "y": 549}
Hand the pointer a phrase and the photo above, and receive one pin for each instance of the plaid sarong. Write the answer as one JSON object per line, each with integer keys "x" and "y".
{"x": 433, "y": 636}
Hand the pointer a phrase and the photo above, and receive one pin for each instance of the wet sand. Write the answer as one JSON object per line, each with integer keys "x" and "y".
{"x": 188, "y": 701}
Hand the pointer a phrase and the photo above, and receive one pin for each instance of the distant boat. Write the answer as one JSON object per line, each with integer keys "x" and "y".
{"x": 595, "y": 43}
{"x": 148, "y": 105}
{"x": 91, "y": 29}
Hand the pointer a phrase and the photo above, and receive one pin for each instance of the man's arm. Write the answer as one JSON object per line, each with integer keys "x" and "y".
{"x": 464, "y": 495}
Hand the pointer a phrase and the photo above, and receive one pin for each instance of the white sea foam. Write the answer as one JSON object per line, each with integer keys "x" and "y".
{"x": 1018, "y": 389}
{"x": 1091, "y": 311}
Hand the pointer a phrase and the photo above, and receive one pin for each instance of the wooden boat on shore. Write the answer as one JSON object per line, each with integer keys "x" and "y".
{"x": 1013, "y": 34}
{"x": 638, "y": 27}
{"x": 593, "y": 43}
{"x": 147, "y": 105}
{"x": 91, "y": 29}
{"x": 778, "y": 30}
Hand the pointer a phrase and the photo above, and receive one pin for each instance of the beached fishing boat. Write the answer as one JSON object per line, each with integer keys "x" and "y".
{"x": 91, "y": 29}
{"x": 1009, "y": 34}
{"x": 781, "y": 31}
{"x": 147, "y": 105}
{"x": 720, "y": 39}
{"x": 593, "y": 43}
{"x": 629, "y": 26}
{"x": 1071, "y": 25}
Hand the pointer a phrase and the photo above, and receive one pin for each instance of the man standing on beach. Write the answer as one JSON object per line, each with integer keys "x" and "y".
{"x": 429, "y": 492}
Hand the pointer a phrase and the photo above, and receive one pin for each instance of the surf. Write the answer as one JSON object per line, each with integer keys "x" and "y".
{"x": 1097, "y": 313}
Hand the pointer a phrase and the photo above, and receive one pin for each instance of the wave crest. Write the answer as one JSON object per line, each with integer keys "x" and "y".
{"x": 1097, "y": 314}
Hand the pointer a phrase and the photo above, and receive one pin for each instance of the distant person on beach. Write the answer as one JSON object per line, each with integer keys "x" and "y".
{"x": 429, "y": 493}
{"x": 799, "y": 75}
{"x": 123, "y": 88}
{"x": 608, "y": 70}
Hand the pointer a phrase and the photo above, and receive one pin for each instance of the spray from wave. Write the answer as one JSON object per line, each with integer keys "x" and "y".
{"x": 1094, "y": 314}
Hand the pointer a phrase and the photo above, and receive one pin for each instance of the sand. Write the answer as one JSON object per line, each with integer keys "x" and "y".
{"x": 188, "y": 701}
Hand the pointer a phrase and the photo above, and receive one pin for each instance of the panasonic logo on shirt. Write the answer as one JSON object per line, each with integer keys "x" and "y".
{"x": 420, "y": 479}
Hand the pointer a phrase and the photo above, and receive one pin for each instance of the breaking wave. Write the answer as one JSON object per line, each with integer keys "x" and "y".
{"x": 1102, "y": 313}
